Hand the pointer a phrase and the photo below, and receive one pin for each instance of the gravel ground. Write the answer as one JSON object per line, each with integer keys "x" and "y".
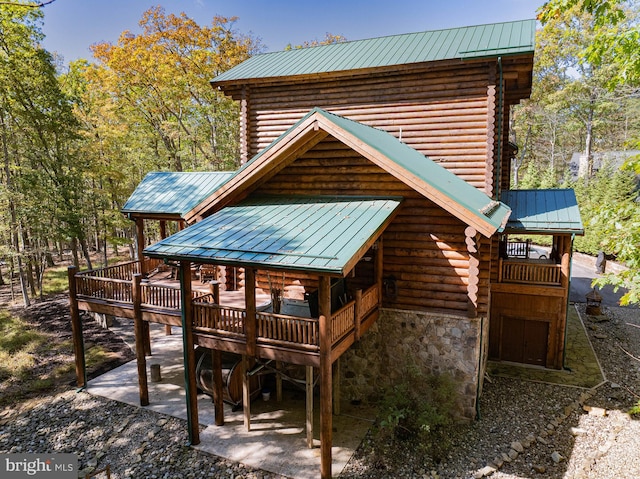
{"x": 526, "y": 429}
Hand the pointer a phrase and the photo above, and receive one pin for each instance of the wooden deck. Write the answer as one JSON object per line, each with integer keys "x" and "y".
{"x": 121, "y": 291}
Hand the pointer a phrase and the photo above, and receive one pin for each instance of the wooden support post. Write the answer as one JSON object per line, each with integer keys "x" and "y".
{"x": 358, "y": 315}
{"x": 163, "y": 229}
{"x": 147, "y": 337}
{"x": 76, "y": 330}
{"x": 139, "y": 333}
{"x": 216, "y": 366}
{"x": 250, "y": 304}
{"x": 309, "y": 403}
{"x": 379, "y": 269}
{"x": 140, "y": 244}
{"x": 336, "y": 387}
{"x": 326, "y": 420}
{"x": 189, "y": 354}
{"x": 214, "y": 289}
{"x": 246, "y": 392}
{"x": 278, "y": 381}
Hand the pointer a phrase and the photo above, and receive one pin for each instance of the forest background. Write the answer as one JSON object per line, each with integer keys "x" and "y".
{"x": 76, "y": 140}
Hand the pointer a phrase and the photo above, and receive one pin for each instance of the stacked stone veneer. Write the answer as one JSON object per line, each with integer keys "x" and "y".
{"x": 435, "y": 343}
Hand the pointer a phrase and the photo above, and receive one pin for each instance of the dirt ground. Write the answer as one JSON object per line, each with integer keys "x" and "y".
{"x": 54, "y": 368}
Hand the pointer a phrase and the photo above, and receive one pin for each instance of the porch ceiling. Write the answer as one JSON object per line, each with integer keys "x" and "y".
{"x": 543, "y": 211}
{"x": 325, "y": 235}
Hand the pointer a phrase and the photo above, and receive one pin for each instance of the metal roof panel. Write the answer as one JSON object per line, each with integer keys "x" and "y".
{"x": 543, "y": 211}
{"x": 174, "y": 193}
{"x": 313, "y": 234}
{"x": 509, "y": 38}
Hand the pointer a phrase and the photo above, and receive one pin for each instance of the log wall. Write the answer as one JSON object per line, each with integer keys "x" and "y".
{"x": 424, "y": 247}
{"x": 440, "y": 113}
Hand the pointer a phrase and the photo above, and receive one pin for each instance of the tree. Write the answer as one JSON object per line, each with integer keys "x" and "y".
{"x": 613, "y": 48}
{"x": 160, "y": 82}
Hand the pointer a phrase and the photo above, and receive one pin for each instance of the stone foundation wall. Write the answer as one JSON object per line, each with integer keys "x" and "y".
{"x": 435, "y": 343}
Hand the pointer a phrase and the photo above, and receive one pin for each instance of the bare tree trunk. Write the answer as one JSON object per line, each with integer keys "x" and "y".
{"x": 588, "y": 142}
{"x": 74, "y": 252}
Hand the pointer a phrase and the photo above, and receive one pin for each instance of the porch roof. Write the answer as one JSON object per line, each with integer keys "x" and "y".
{"x": 172, "y": 193}
{"x": 543, "y": 211}
{"x": 325, "y": 235}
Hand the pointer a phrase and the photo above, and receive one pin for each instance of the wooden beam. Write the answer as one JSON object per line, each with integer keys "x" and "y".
{"x": 140, "y": 243}
{"x": 336, "y": 387}
{"x": 189, "y": 354}
{"x": 250, "y": 306}
{"x": 216, "y": 366}
{"x": 139, "y": 334}
{"x": 246, "y": 393}
{"x": 309, "y": 403}
{"x": 76, "y": 330}
{"x": 326, "y": 419}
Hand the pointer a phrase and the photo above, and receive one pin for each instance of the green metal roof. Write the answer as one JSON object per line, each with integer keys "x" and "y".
{"x": 312, "y": 234}
{"x": 543, "y": 211}
{"x": 172, "y": 193}
{"x": 481, "y": 41}
{"x": 452, "y": 193}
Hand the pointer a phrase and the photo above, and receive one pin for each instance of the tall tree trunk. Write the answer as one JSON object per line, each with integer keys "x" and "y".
{"x": 588, "y": 142}
{"x": 12, "y": 212}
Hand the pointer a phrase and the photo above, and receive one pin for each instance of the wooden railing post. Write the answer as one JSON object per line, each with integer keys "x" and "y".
{"x": 139, "y": 333}
{"x": 214, "y": 289}
{"x": 76, "y": 330}
{"x": 357, "y": 315}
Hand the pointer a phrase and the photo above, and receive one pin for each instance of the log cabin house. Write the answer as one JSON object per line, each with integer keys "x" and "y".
{"x": 375, "y": 176}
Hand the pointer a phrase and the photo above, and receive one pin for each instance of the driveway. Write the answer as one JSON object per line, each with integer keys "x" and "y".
{"x": 583, "y": 271}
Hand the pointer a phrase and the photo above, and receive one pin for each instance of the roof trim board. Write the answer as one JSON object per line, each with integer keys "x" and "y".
{"x": 422, "y": 174}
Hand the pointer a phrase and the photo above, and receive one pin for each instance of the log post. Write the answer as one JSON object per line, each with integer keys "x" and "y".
{"x": 309, "y": 403}
{"x": 358, "y": 315}
{"x": 336, "y": 387}
{"x": 326, "y": 420}
{"x": 189, "y": 354}
{"x": 216, "y": 366}
{"x": 246, "y": 392}
{"x": 139, "y": 333}
{"x": 250, "y": 304}
{"x": 279, "y": 381}
{"x": 76, "y": 330}
{"x": 140, "y": 245}
{"x": 214, "y": 289}
{"x": 379, "y": 269}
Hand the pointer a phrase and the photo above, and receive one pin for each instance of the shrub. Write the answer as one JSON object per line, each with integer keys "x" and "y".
{"x": 417, "y": 408}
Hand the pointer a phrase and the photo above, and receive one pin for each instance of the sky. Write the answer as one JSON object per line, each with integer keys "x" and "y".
{"x": 72, "y": 26}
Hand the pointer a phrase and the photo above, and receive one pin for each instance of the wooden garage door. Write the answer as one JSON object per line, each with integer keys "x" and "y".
{"x": 524, "y": 341}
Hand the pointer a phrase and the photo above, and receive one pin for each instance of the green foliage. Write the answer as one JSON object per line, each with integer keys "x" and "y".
{"x": 417, "y": 408}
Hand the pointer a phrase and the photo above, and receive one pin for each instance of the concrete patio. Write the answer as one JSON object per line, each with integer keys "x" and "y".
{"x": 277, "y": 439}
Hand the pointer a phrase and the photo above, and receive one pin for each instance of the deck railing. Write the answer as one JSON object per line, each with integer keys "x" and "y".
{"x": 284, "y": 330}
{"x": 123, "y": 271}
{"x": 104, "y": 288}
{"x": 115, "y": 284}
{"x": 210, "y": 318}
{"x": 530, "y": 273}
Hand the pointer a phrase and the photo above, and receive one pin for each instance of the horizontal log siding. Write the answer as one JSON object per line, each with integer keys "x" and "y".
{"x": 442, "y": 114}
{"x": 424, "y": 247}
